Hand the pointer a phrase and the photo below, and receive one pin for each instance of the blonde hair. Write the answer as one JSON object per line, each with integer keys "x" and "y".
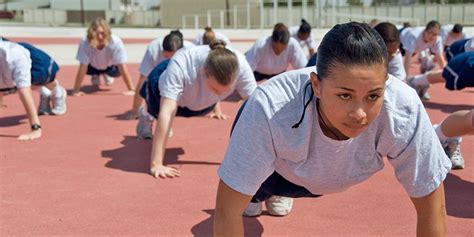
{"x": 93, "y": 25}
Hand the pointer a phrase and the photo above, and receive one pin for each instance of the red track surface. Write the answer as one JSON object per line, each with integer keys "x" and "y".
{"x": 88, "y": 175}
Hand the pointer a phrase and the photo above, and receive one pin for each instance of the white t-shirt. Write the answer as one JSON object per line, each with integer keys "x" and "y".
{"x": 309, "y": 42}
{"x": 447, "y": 38}
{"x": 396, "y": 68}
{"x": 15, "y": 65}
{"x": 184, "y": 80}
{"x": 113, "y": 54}
{"x": 263, "y": 141}
{"x": 219, "y": 36}
{"x": 412, "y": 40}
{"x": 263, "y": 59}
{"x": 154, "y": 55}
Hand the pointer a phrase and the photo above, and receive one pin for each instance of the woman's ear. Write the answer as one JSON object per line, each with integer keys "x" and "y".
{"x": 315, "y": 84}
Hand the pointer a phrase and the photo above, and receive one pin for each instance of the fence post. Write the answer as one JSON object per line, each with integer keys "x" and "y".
{"x": 248, "y": 14}
{"x": 183, "y": 19}
{"x": 290, "y": 12}
{"x": 221, "y": 12}
{"x": 464, "y": 14}
{"x": 261, "y": 14}
{"x": 304, "y": 7}
{"x": 235, "y": 16}
{"x": 209, "y": 21}
{"x": 275, "y": 9}
{"x": 196, "y": 22}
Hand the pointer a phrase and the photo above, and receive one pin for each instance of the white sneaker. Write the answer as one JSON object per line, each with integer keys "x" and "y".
{"x": 279, "y": 206}
{"x": 253, "y": 209}
{"x": 95, "y": 80}
{"x": 109, "y": 80}
{"x": 422, "y": 91}
{"x": 59, "y": 102}
{"x": 145, "y": 125}
{"x": 44, "y": 107}
{"x": 452, "y": 147}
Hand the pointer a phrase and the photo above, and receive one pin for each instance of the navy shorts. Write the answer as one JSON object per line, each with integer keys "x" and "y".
{"x": 312, "y": 60}
{"x": 111, "y": 71}
{"x": 455, "y": 49}
{"x": 260, "y": 76}
{"x": 41, "y": 77}
{"x": 151, "y": 93}
{"x": 459, "y": 73}
{"x": 276, "y": 184}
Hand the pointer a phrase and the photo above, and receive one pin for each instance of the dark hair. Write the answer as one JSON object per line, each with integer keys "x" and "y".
{"x": 208, "y": 35}
{"x": 406, "y": 24}
{"x": 280, "y": 34}
{"x": 388, "y": 31}
{"x": 173, "y": 41}
{"x": 221, "y": 63}
{"x": 350, "y": 44}
{"x": 433, "y": 24}
{"x": 457, "y": 28}
{"x": 305, "y": 27}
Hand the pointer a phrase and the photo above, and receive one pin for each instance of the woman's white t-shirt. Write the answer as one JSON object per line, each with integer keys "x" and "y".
{"x": 112, "y": 54}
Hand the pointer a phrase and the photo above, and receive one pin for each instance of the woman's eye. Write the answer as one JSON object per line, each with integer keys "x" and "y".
{"x": 373, "y": 97}
{"x": 344, "y": 96}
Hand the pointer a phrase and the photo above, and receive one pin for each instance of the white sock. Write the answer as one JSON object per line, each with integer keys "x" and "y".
{"x": 45, "y": 91}
{"x": 441, "y": 136}
{"x": 421, "y": 80}
{"x": 57, "y": 91}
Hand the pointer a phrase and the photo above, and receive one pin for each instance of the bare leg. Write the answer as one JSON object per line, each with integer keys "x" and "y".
{"x": 458, "y": 123}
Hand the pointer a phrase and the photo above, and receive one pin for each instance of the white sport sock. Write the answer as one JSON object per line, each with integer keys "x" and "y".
{"x": 57, "y": 91}
{"x": 45, "y": 91}
{"x": 441, "y": 136}
{"x": 421, "y": 80}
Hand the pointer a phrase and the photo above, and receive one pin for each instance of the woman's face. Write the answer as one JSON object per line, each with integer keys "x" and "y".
{"x": 393, "y": 48}
{"x": 278, "y": 47}
{"x": 215, "y": 86}
{"x": 100, "y": 36}
{"x": 431, "y": 34}
{"x": 350, "y": 98}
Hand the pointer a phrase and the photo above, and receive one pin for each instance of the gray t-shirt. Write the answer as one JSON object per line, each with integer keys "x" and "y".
{"x": 184, "y": 80}
{"x": 264, "y": 141}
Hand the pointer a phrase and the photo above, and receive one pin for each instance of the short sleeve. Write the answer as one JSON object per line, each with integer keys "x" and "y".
{"x": 251, "y": 56}
{"x": 246, "y": 82}
{"x": 119, "y": 55}
{"x": 83, "y": 52}
{"x": 418, "y": 158}
{"x": 21, "y": 67}
{"x": 146, "y": 66}
{"x": 250, "y": 155}
{"x": 171, "y": 82}
{"x": 298, "y": 58}
{"x": 396, "y": 68}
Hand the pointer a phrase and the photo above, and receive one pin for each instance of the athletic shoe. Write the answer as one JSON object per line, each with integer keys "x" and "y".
{"x": 253, "y": 209}
{"x": 44, "y": 107}
{"x": 279, "y": 206}
{"x": 452, "y": 147}
{"x": 59, "y": 102}
{"x": 422, "y": 91}
{"x": 145, "y": 125}
{"x": 95, "y": 80}
{"x": 109, "y": 80}
{"x": 427, "y": 64}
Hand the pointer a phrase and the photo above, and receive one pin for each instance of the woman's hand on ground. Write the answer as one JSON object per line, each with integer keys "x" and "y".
{"x": 164, "y": 172}
{"x": 78, "y": 93}
{"x": 30, "y": 136}
{"x": 129, "y": 93}
{"x": 219, "y": 116}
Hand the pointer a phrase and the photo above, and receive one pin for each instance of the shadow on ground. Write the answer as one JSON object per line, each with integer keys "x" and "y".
{"x": 459, "y": 196}
{"x": 252, "y": 227}
{"x": 12, "y": 120}
{"x": 447, "y": 108}
{"x": 134, "y": 156}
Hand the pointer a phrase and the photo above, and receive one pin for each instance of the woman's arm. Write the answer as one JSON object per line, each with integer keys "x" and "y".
{"x": 431, "y": 214}
{"x": 27, "y": 100}
{"x": 440, "y": 59}
{"x": 137, "y": 99}
{"x": 168, "y": 109}
{"x": 230, "y": 205}
{"x": 81, "y": 72}
{"x": 126, "y": 78}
